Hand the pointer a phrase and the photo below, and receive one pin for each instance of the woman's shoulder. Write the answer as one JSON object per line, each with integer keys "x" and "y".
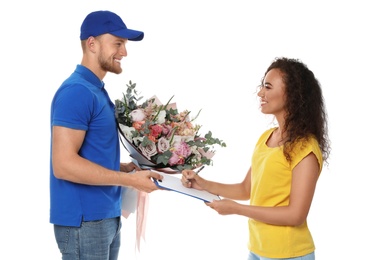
{"x": 306, "y": 146}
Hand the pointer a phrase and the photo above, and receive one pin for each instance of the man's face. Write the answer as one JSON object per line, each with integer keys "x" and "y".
{"x": 112, "y": 50}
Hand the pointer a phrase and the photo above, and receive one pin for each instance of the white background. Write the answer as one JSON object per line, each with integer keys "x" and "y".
{"x": 210, "y": 54}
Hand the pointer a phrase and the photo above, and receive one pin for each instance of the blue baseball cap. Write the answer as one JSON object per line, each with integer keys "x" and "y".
{"x": 101, "y": 22}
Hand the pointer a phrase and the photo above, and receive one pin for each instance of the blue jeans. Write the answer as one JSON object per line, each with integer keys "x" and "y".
{"x": 94, "y": 240}
{"x": 253, "y": 256}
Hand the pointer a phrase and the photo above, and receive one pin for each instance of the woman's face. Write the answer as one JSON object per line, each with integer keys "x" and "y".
{"x": 272, "y": 94}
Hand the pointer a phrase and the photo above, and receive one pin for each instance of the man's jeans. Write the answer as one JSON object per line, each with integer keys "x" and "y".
{"x": 94, "y": 240}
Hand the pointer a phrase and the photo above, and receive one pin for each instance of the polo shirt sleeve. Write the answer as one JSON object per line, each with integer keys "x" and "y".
{"x": 73, "y": 107}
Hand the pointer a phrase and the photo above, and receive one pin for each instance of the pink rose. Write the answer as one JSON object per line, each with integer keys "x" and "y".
{"x": 163, "y": 145}
{"x": 149, "y": 150}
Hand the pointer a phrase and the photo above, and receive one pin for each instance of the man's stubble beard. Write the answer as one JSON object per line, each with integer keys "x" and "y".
{"x": 108, "y": 65}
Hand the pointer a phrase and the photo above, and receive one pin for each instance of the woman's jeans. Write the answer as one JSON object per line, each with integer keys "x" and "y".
{"x": 94, "y": 240}
{"x": 305, "y": 257}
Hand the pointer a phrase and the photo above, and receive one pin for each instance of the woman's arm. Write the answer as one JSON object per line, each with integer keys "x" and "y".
{"x": 237, "y": 191}
{"x": 304, "y": 180}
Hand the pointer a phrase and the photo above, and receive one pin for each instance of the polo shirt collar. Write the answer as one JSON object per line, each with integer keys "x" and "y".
{"x": 89, "y": 76}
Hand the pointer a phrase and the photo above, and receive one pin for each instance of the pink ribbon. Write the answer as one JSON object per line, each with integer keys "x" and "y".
{"x": 141, "y": 216}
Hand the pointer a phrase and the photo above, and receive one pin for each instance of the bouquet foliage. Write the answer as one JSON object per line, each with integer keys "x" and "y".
{"x": 161, "y": 135}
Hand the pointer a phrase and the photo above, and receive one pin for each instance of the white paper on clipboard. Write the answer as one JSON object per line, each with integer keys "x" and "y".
{"x": 173, "y": 183}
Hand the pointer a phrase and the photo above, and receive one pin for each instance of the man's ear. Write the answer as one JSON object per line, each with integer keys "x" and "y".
{"x": 91, "y": 44}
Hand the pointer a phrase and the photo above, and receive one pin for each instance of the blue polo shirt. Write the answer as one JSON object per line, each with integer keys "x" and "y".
{"x": 82, "y": 103}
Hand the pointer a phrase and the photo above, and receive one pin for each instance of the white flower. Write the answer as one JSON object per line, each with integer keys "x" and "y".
{"x": 137, "y": 140}
{"x": 182, "y": 138}
{"x": 161, "y": 118}
{"x": 137, "y": 115}
{"x": 188, "y": 138}
{"x": 127, "y": 131}
{"x": 176, "y": 140}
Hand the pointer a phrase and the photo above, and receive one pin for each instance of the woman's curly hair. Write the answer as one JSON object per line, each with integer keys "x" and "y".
{"x": 305, "y": 109}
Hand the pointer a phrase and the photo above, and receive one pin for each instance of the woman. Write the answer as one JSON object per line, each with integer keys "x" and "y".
{"x": 286, "y": 164}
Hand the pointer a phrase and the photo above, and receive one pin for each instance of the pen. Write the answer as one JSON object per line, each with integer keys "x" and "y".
{"x": 201, "y": 168}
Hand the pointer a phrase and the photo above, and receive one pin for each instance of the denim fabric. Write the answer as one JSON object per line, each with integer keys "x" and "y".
{"x": 253, "y": 256}
{"x": 94, "y": 240}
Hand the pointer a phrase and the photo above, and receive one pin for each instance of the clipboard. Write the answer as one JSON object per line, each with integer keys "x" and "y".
{"x": 173, "y": 183}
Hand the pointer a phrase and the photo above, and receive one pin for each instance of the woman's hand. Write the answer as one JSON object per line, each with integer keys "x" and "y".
{"x": 224, "y": 206}
{"x": 191, "y": 179}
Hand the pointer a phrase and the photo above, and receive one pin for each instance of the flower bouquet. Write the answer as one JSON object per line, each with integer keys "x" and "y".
{"x": 159, "y": 136}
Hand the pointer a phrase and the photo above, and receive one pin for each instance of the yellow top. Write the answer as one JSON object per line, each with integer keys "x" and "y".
{"x": 271, "y": 183}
